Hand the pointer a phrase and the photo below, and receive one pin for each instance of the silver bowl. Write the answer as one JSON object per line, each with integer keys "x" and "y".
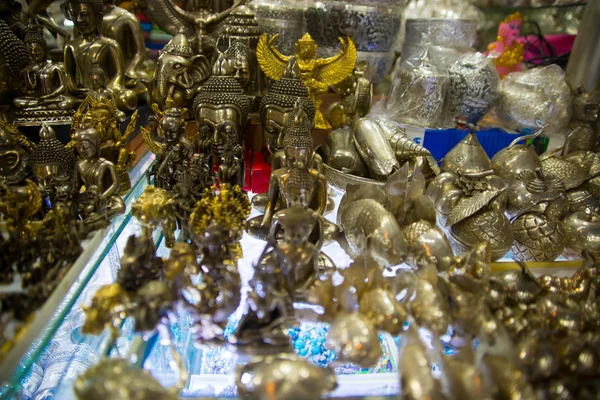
{"x": 340, "y": 180}
{"x": 373, "y": 27}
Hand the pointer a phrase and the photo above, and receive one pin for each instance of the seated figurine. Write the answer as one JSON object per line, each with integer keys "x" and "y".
{"x": 92, "y": 170}
{"x": 173, "y": 150}
{"x": 44, "y": 86}
{"x": 298, "y": 149}
{"x": 124, "y": 27}
{"x": 87, "y": 47}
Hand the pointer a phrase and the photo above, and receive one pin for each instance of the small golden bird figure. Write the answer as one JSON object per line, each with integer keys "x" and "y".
{"x": 318, "y": 74}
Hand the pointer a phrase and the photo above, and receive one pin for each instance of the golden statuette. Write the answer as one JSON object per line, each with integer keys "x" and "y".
{"x": 318, "y": 74}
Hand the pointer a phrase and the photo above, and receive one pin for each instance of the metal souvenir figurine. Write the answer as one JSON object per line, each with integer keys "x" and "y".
{"x": 51, "y": 159}
{"x": 139, "y": 263}
{"x": 356, "y": 93}
{"x": 232, "y": 168}
{"x": 102, "y": 115}
{"x": 154, "y": 208}
{"x": 535, "y": 205}
{"x": 99, "y": 89}
{"x": 229, "y": 208}
{"x": 471, "y": 200}
{"x": 195, "y": 24}
{"x": 88, "y": 45}
{"x": 277, "y": 107}
{"x": 172, "y": 148}
{"x": 537, "y": 96}
{"x": 44, "y": 96}
{"x": 582, "y": 233}
{"x": 585, "y": 124}
{"x": 119, "y": 379}
{"x": 474, "y": 86}
{"x": 418, "y": 92}
{"x": 316, "y": 73}
{"x": 241, "y": 32}
{"x": 14, "y": 153}
{"x": 124, "y": 27}
{"x": 578, "y": 171}
{"x": 178, "y": 73}
{"x": 221, "y": 105}
{"x": 298, "y": 149}
{"x": 506, "y": 52}
{"x": 16, "y": 56}
{"x": 94, "y": 171}
{"x": 283, "y": 376}
{"x": 219, "y": 291}
{"x": 369, "y": 227}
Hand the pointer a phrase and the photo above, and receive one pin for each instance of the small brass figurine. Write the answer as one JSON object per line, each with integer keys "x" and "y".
{"x": 471, "y": 199}
{"x": 277, "y": 107}
{"x": 94, "y": 171}
{"x": 154, "y": 208}
{"x": 89, "y": 46}
{"x": 14, "y": 154}
{"x": 584, "y": 126}
{"x": 283, "y": 376}
{"x": 44, "y": 96}
{"x": 535, "y": 204}
{"x": 172, "y": 148}
{"x": 178, "y": 73}
{"x": 124, "y": 27}
{"x": 196, "y": 24}
{"x": 232, "y": 168}
{"x": 102, "y": 115}
{"x": 299, "y": 153}
{"x": 221, "y": 107}
{"x": 316, "y": 73}
{"x": 51, "y": 159}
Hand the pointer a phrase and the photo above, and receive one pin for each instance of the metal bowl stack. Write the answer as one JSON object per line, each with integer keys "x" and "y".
{"x": 283, "y": 17}
{"x": 444, "y": 39}
{"x": 372, "y": 24}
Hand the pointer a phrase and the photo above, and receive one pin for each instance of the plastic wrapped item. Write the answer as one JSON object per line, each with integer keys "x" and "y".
{"x": 439, "y": 10}
{"x": 537, "y": 96}
{"x": 445, "y": 39}
{"x": 373, "y": 25}
{"x": 417, "y": 96}
{"x": 473, "y": 88}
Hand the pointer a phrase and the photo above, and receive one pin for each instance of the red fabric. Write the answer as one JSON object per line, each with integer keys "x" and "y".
{"x": 261, "y": 173}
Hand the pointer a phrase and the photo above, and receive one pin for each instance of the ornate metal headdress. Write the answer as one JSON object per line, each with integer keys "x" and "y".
{"x": 35, "y": 34}
{"x": 179, "y": 46}
{"x": 285, "y": 92}
{"x": 298, "y": 134}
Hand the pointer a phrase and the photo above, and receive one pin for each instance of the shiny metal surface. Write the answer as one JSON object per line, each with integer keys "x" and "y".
{"x": 88, "y": 46}
{"x": 283, "y": 376}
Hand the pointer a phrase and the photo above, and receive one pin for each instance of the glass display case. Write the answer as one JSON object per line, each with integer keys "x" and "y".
{"x": 61, "y": 351}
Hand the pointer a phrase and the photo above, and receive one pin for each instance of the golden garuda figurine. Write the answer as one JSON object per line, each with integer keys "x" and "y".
{"x": 318, "y": 74}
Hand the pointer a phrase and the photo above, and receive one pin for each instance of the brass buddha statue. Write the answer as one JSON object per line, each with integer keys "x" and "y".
{"x": 102, "y": 115}
{"x": 124, "y": 27}
{"x": 221, "y": 103}
{"x": 44, "y": 92}
{"x": 88, "y": 46}
{"x": 298, "y": 149}
{"x": 241, "y": 32}
{"x": 277, "y": 107}
{"x": 50, "y": 158}
{"x": 96, "y": 173}
{"x": 14, "y": 157}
